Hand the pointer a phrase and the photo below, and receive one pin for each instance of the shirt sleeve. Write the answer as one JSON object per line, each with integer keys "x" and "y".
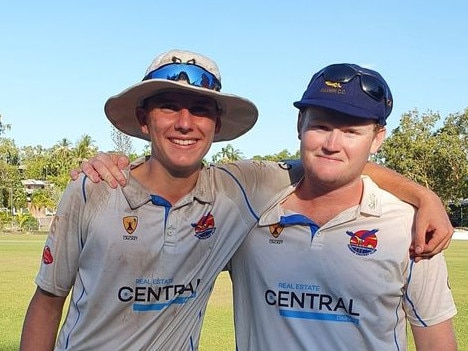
{"x": 428, "y": 297}
{"x": 64, "y": 242}
{"x": 262, "y": 181}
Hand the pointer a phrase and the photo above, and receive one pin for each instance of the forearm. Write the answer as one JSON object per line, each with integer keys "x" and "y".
{"x": 433, "y": 227}
{"x": 439, "y": 337}
{"x": 41, "y": 323}
{"x": 400, "y": 186}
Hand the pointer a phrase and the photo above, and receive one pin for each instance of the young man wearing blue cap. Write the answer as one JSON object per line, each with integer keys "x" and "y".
{"x": 327, "y": 267}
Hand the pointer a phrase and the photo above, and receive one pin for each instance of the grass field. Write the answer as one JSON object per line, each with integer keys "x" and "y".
{"x": 20, "y": 256}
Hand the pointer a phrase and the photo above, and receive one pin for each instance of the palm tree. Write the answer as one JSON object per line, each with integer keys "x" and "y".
{"x": 84, "y": 149}
{"x": 227, "y": 154}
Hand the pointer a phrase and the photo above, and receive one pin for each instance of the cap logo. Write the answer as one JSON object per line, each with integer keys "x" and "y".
{"x": 333, "y": 84}
{"x": 333, "y": 88}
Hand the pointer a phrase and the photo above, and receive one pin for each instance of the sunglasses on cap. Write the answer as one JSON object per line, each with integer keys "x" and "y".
{"x": 190, "y": 73}
{"x": 372, "y": 85}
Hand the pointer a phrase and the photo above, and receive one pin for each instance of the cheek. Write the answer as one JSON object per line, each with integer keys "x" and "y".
{"x": 307, "y": 149}
{"x": 359, "y": 150}
{"x": 159, "y": 124}
{"x": 310, "y": 141}
{"x": 209, "y": 126}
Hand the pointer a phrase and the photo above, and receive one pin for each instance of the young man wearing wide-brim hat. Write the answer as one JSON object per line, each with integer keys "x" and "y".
{"x": 142, "y": 259}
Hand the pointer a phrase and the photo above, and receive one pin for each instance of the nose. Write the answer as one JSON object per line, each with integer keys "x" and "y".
{"x": 184, "y": 120}
{"x": 334, "y": 141}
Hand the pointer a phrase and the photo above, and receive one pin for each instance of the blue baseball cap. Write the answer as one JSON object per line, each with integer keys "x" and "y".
{"x": 349, "y": 89}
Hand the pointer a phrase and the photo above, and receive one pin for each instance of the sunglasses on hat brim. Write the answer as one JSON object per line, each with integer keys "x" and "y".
{"x": 190, "y": 73}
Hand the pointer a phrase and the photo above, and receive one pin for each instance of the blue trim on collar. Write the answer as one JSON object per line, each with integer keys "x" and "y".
{"x": 300, "y": 220}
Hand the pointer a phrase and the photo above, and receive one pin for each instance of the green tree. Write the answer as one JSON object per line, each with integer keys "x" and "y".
{"x": 434, "y": 157}
{"x": 27, "y": 222}
{"x": 35, "y": 162}
{"x": 280, "y": 156}
{"x": 227, "y": 154}
{"x": 10, "y": 181}
{"x": 63, "y": 157}
{"x": 122, "y": 142}
{"x": 60, "y": 157}
{"x": 43, "y": 198}
{"x": 84, "y": 149}
{"x": 3, "y": 127}
{"x": 9, "y": 152}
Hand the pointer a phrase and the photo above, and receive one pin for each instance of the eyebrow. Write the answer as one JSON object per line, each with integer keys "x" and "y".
{"x": 193, "y": 99}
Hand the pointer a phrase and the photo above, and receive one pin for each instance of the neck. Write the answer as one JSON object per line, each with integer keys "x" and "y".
{"x": 320, "y": 202}
{"x": 160, "y": 181}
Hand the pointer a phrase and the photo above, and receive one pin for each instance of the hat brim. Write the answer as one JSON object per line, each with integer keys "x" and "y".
{"x": 346, "y": 108}
{"x": 238, "y": 115}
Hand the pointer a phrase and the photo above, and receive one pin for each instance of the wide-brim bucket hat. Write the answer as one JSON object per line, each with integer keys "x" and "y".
{"x": 184, "y": 71}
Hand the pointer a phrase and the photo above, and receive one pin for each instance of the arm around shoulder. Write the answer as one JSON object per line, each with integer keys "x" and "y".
{"x": 433, "y": 227}
{"x": 41, "y": 322}
{"x": 105, "y": 166}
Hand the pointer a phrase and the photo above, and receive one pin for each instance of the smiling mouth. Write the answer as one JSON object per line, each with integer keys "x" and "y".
{"x": 183, "y": 142}
{"x": 328, "y": 158}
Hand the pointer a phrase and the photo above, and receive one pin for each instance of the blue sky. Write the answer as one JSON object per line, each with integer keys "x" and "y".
{"x": 61, "y": 60}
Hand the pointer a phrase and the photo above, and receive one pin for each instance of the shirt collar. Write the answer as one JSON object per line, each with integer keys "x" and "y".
{"x": 371, "y": 204}
{"x": 136, "y": 195}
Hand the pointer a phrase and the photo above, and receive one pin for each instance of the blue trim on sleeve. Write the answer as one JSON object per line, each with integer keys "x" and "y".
{"x": 257, "y": 217}
{"x": 83, "y": 188}
{"x": 395, "y": 336}
{"x": 85, "y": 199}
{"x": 67, "y": 339}
{"x": 409, "y": 299}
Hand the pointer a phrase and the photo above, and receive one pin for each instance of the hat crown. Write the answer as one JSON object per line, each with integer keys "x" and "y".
{"x": 183, "y": 56}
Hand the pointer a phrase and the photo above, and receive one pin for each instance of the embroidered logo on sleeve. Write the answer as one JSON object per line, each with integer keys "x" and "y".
{"x": 47, "y": 257}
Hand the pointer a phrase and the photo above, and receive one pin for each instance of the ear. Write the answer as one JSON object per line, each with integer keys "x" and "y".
{"x": 142, "y": 117}
{"x": 299, "y": 124}
{"x": 378, "y": 139}
{"x": 218, "y": 125}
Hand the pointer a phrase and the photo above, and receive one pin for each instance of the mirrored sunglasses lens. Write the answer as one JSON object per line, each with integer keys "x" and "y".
{"x": 192, "y": 74}
{"x": 373, "y": 87}
{"x": 339, "y": 73}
